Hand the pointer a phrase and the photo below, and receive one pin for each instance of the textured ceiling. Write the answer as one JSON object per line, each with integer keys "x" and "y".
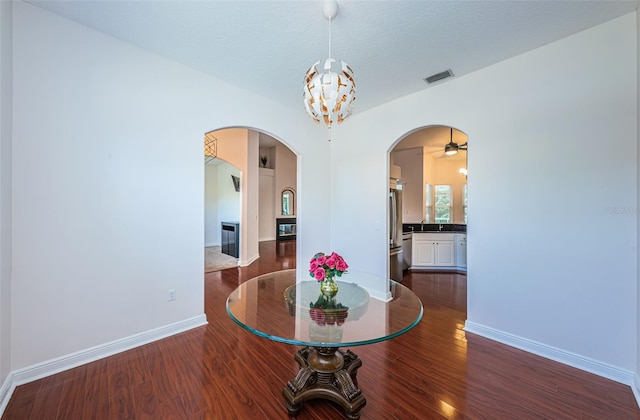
{"x": 267, "y": 46}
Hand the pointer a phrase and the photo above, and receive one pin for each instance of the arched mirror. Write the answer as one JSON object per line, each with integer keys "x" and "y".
{"x": 288, "y": 202}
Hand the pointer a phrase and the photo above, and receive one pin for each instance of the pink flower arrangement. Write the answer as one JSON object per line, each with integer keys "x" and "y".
{"x": 328, "y": 312}
{"x": 323, "y": 266}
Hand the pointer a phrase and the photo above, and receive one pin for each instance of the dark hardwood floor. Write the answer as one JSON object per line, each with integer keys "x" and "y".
{"x": 221, "y": 371}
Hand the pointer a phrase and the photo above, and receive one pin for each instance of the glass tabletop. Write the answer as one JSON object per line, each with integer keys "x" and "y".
{"x": 275, "y": 307}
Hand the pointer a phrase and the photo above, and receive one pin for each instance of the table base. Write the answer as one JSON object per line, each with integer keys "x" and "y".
{"x": 326, "y": 373}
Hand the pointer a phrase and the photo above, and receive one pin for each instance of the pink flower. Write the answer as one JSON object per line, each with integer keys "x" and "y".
{"x": 317, "y": 315}
{"x": 331, "y": 262}
{"x": 322, "y": 266}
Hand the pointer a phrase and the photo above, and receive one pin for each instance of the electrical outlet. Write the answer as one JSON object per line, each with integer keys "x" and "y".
{"x": 171, "y": 295}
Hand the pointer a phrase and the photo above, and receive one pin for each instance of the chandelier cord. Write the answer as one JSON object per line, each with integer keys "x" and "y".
{"x": 329, "y": 60}
{"x": 330, "y": 24}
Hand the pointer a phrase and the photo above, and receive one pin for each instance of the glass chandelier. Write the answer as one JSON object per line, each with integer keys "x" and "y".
{"x": 330, "y": 88}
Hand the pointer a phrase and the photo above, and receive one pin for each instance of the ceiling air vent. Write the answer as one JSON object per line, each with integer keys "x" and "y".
{"x": 439, "y": 76}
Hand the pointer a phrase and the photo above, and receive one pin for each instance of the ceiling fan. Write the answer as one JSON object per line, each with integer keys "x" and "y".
{"x": 452, "y": 148}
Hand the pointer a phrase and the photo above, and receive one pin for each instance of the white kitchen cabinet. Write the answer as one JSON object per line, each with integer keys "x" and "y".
{"x": 461, "y": 251}
{"x": 423, "y": 252}
{"x": 436, "y": 251}
{"x": 445, "y": 253}
{"x": 433, "y": 250}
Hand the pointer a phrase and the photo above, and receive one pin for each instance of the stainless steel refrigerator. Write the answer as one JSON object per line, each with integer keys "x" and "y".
{"x": 395, "y": 234}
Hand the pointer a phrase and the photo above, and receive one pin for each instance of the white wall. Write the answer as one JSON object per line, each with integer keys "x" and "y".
{"x": 222, "y": 201}
{"x": 429, "y": 168}
{"x": 239, "y": 146}
{"x": 554, "y": 268}
{"x": 211, "y": 230}
{"x": 286, "y": 169}
{"x": 6, "y": 115}
{"x": 636, "y": 383}
{"x": 106, "y": 220}
{"x": 251, "y": 202}
{"x": 269, "y": 152}
{"x": 229, "y": 200}
{"x": 413, "y": 195}
{"x": 267, "y": 206}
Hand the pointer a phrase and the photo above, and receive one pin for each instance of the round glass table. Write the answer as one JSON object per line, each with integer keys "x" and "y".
{"x": 275, "y": 307}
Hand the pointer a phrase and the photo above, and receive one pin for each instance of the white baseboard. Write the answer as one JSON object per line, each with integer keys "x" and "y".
{"x": 6, "y": 391}
{"x": 69, "y": 361}
{"x": 207, "y": 244}
{"x": 454, "y": 268}
{"x": 568, "y": 358}
{"x": 636, "y": 388}
{"x": 245, "y": 263}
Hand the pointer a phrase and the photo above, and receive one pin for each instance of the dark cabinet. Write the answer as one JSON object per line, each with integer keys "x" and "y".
{"x": 230, "y": 240}
{"x": 285, "y": 229}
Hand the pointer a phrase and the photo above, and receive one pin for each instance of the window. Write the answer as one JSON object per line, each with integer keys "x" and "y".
{"x": 443, "y": 201}
{"x": 428, "y": 194}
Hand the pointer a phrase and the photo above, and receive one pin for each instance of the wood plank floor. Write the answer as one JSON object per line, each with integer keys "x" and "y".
{"x": 221, "y": 371}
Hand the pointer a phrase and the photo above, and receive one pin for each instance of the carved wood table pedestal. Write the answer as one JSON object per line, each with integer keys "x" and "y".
{"x": 326, "y": 373}
{"x": 278, "y": 307}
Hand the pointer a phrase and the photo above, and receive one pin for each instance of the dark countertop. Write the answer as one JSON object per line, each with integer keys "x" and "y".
{"x": 433, "y": 228}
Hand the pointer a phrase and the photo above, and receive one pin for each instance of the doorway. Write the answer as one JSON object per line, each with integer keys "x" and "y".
{"x": 245, "y": 170}
{"x": 429, "y": 168}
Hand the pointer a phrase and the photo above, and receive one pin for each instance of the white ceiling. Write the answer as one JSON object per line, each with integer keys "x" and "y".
{"x": 267, "y": 46}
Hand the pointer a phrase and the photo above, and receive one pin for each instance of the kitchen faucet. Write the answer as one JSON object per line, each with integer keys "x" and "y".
{"x": 440, "y": 227}
{"x": 422, "y": 224}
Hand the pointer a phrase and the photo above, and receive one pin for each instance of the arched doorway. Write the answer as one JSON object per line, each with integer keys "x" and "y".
{"x": 250, "y": 168}
{"x": 428, "y": 179}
